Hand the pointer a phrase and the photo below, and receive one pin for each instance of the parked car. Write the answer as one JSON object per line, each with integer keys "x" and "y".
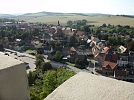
{"x": 15, "y": 53}
{"x": 21, "y": 56}
{"x": 27, "y": 65}
{"x": 6, "y": 54}
{"x": 98, "y": 71}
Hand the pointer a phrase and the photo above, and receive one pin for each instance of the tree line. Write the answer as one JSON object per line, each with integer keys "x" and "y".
{"x": 44, "y": 79}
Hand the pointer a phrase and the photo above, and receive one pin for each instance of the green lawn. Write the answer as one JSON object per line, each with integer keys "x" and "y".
{"x": 31, "y": 51}
{"x": 96, "y": 20}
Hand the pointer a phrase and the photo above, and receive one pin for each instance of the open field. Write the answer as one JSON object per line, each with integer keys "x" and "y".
{"x": 96, "y": 20}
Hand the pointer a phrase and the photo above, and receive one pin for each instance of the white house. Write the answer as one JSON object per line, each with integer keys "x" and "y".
{"x": 48, "y": 50}
{"x": 122, "y": 63}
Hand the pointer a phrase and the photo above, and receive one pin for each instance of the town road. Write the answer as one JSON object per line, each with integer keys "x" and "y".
{"x": 31, "y": 60}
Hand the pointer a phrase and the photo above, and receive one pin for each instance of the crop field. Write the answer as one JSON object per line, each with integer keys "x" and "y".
{"x": 95, "y": 20}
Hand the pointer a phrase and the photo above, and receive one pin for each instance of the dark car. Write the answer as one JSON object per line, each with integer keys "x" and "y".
{"x": 15, "y": 53}
{"x": 92, "y": 72}
{"x": 27, "y": 65}
{"x": 6, "y": 54}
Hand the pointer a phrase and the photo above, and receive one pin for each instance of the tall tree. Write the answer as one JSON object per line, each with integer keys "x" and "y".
{"x": 57, "y": 56}
{"x": 73, "y": 40}
{"x": 50, "y": 82}
{"x": 46, "y": 66}
{"x": 39, "y": 56}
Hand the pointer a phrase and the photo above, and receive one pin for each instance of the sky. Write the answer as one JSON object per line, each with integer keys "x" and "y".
{"x": 67, "y": 6}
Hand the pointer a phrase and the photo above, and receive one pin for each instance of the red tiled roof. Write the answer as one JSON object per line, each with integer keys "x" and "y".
{"x": 80, "y": 33}
{"x": 111, "y": 57}
{"x": 110, "y": 64}
{"x": 108, "y": 57}
{"x": 114, "y": 57}
{"x": 105, "y": 49}
{"x": 127, "y": 36}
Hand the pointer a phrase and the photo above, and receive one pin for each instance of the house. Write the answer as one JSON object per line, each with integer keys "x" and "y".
{"x": 58, "y": 35}
{"x": 131, "y": 53}
{"x": 111, "y": 57}
{"x": 66, "y": 30}
{"x": 130, "y": 74}
{"x": 105, "y": 50}
{"x": 123, "y": 49}
{"x": 71, "y": 56}
{"x": 81, "y": 54}
{"x": 97, "y": 46}
{"x": 38, "y": 45}
{"x": 23, "y": 25}
{"x": 71, "y": 33}
{"x": 95, "y": 50}
{"x": 120, "y": 74}
{"x": 52, "y": 31}
{"x": 127, "y": 74}
{"x": 108, "y": 62}
{"x": 127, "y": 36}
{"x": 100, "y": 45}
{"x": 108, "y": 67}
{"x": 65, "y": 51}
{"x": 48, "y": 49}
{"x": 122, "y": 60}
{"x": 46, "y": 37}
{"x": 111, "y": 49}
{"x": 100, "y": 57}
{"x": 131, "y": 61}
{"x": 94, "y": 39}
{"x": 18, "y": 48}
{"x": 72, "y": 51}
{"x": 34, "y": 26}
{"x": 51, "y": 54}
{"x": 80, "y": 33}
{"x": 88, "y": 40}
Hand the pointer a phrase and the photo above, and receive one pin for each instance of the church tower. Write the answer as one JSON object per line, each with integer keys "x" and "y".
{"x": 58, "y": 23}
{"x": 59, "y": 35}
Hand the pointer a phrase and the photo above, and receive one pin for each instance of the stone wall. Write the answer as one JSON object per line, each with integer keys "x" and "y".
{"x": 13, "y": 82}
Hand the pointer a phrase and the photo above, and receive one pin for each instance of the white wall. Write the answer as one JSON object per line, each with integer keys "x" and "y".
{"x": 122, "y": 63}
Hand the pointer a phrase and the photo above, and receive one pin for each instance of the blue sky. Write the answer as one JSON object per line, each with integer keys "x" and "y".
{"x": 67, "y": 6}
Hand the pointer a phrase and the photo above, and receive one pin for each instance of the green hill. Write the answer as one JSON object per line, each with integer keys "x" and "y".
{"x": 92, "y": 18}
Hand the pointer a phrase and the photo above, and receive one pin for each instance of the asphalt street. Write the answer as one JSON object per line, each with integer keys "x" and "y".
{"x": 31, "y": 60}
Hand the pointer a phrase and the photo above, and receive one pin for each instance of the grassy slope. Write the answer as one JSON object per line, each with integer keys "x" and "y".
{"x": 98, "y": 20}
